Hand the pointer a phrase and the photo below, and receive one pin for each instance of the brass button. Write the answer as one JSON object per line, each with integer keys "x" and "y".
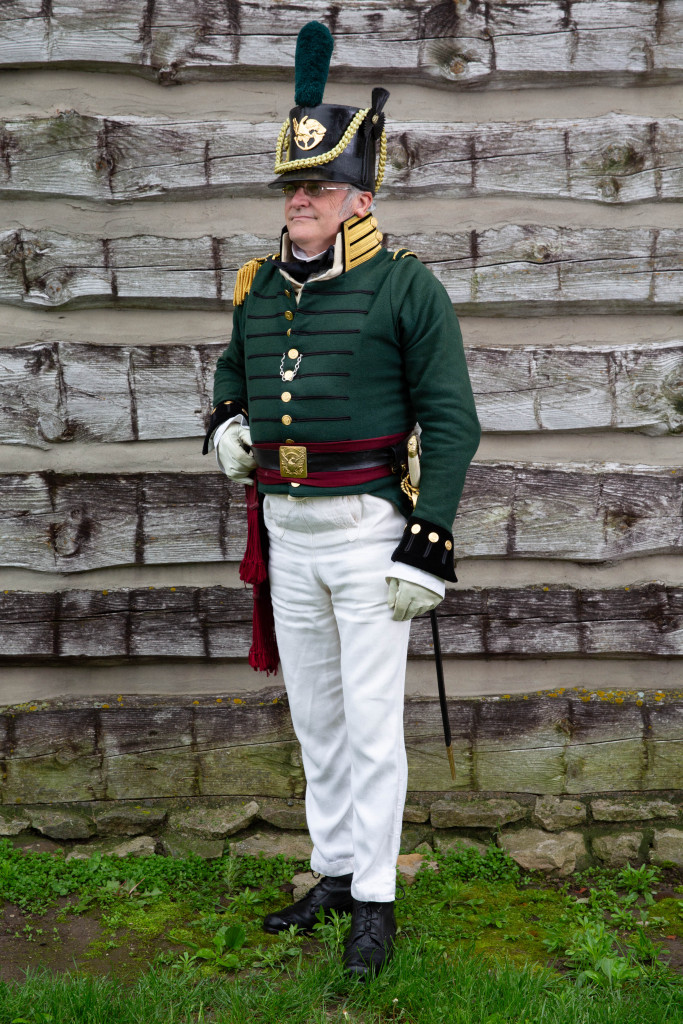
{"x": 286, "y": 420}
{"x": 448, "y": 546}
{"x": 287, "y": 292}
{"x": 286, "y": 396}
{"x": 293, "y": 352}
{"x": 415, "y": 528}
{"x": 288, "y": 375}
{"x": 289, "y": 315}
{"x": 433, "y": 537}
{"x": 289, "y": 331}
{"x": 289, "y": 440}
{"x": 294, "y": 483}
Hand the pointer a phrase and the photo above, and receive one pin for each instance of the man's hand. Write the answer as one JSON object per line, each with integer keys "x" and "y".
{"x": 234, "y": 453}
{"x": 409, "y": 599}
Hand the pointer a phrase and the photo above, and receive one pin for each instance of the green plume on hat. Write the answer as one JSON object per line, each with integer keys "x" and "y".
{"x": 314, "y": 47}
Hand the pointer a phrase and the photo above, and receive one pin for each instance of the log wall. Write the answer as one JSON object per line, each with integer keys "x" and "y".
{"x": 534, "y": 164}
{"x": 131, "y": 748}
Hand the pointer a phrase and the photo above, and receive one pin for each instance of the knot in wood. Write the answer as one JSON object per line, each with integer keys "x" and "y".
{"x": 646, "y": 395}
{"x": 66, "y": 756}
{"x": 454, "y": 63}
{"x": 105, "y": 162}
{"x": 609, "y": 188}
{"x": 540, "y": 252}
{"x": 52, "y": 427}
{"x": 53, "y": 288}
{"x": 620, "y": 157}
{"x": 69, "y": 536}
{"x": 672, "y": 389}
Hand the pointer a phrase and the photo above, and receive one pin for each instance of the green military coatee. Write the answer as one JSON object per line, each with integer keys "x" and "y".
{"x": 362, "y": 355}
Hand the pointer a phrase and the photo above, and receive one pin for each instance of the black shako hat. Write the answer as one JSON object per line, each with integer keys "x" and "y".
{"x": 327, "y": 141}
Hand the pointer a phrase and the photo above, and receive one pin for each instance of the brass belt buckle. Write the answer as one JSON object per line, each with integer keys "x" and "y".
{"x": 293, "y": 461}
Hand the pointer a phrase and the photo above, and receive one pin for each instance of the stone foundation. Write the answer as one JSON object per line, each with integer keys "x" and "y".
{"x": 556, "y": 835}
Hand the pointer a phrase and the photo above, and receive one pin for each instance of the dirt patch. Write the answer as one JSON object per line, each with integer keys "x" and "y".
{"x": 29, "y": 941}
{"x": 75, "y": 943}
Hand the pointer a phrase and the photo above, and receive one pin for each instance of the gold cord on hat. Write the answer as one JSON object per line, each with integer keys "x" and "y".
{"x": 281, "y": 165}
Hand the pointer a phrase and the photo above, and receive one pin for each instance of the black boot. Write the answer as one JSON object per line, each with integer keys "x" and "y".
{"x": 329, "y": 893}
{"x": 370, "y": 944}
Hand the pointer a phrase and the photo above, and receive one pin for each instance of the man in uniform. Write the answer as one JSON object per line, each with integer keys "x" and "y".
{"x": 338, "y": 348}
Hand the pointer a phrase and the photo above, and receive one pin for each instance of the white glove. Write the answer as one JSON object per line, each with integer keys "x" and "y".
{"x": 410, "y": 599}
{"x": 233, "y": 452}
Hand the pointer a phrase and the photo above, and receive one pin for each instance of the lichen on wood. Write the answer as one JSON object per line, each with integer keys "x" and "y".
{"x": 166, "y": 747}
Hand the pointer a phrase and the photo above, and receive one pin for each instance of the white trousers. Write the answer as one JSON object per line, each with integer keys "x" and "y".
{"x": 343, "y": 660}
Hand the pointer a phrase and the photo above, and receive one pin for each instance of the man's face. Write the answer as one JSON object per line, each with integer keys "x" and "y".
{"x": 313, "y": 221}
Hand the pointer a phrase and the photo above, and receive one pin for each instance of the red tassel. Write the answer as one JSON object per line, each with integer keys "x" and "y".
{"x": 263, "y": 656}
{"x": 253, "y": 567}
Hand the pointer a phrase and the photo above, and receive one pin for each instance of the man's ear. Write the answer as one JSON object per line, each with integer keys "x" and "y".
{"x": 362, "y": 203}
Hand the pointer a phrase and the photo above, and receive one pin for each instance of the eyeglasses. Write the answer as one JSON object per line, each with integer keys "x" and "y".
{"x": 313, "y": 189}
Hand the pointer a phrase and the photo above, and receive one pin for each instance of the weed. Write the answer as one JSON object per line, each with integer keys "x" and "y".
{"x": 36, "y": 881}
{"x": 287, "y": 947}
{"x": 184, "y": 962}
{"x": 331, "y": 931}
{"x": 227, "y": 937}
{"x": 639, "y": 880}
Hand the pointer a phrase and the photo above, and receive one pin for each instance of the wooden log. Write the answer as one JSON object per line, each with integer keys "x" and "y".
{"x": 60, "y": 392}
{"x": 558, "y": 621}
{"x": 538, "y": 762}
{"x": 586, "y": 513}
{"x": 215, "y": 623}
{"x": 519, "y": 269}
{"x": 494, "y": 45}
{"x": 605, "y": 753}
{"x": 263, "y": 754}
{"x": 614, "y": 158}
{"x": 428, "y": 766}
{"x": 579, "y": 387}
{"x": 52, "y": 756}
{"x": 182, "y": 746}
{"x": 663, "y": 758}
{"x": 71, "y": 523}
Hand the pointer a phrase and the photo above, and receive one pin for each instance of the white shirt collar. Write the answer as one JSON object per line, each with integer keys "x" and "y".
{"x": 299, "y": 254}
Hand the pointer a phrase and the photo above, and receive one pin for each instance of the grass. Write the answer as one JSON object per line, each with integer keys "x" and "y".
{"x": 417, "y": 987}
{"x": 480, "y": 943}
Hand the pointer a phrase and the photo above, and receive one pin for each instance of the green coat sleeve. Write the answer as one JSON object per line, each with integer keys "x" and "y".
{"x": 229, "y": 382}
{"x": 439, "y": 387}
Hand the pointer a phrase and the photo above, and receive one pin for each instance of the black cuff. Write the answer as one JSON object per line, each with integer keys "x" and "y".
{"x": 429, "y": 547}
{"x": 224, "y": 411}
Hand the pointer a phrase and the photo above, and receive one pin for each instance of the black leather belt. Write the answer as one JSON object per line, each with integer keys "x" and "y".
{"x": 329, "y": 462}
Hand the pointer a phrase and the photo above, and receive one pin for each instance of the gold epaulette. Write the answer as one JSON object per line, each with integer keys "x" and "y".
{"x": 245, "y": 277}
{"x": 402, "y": 253}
